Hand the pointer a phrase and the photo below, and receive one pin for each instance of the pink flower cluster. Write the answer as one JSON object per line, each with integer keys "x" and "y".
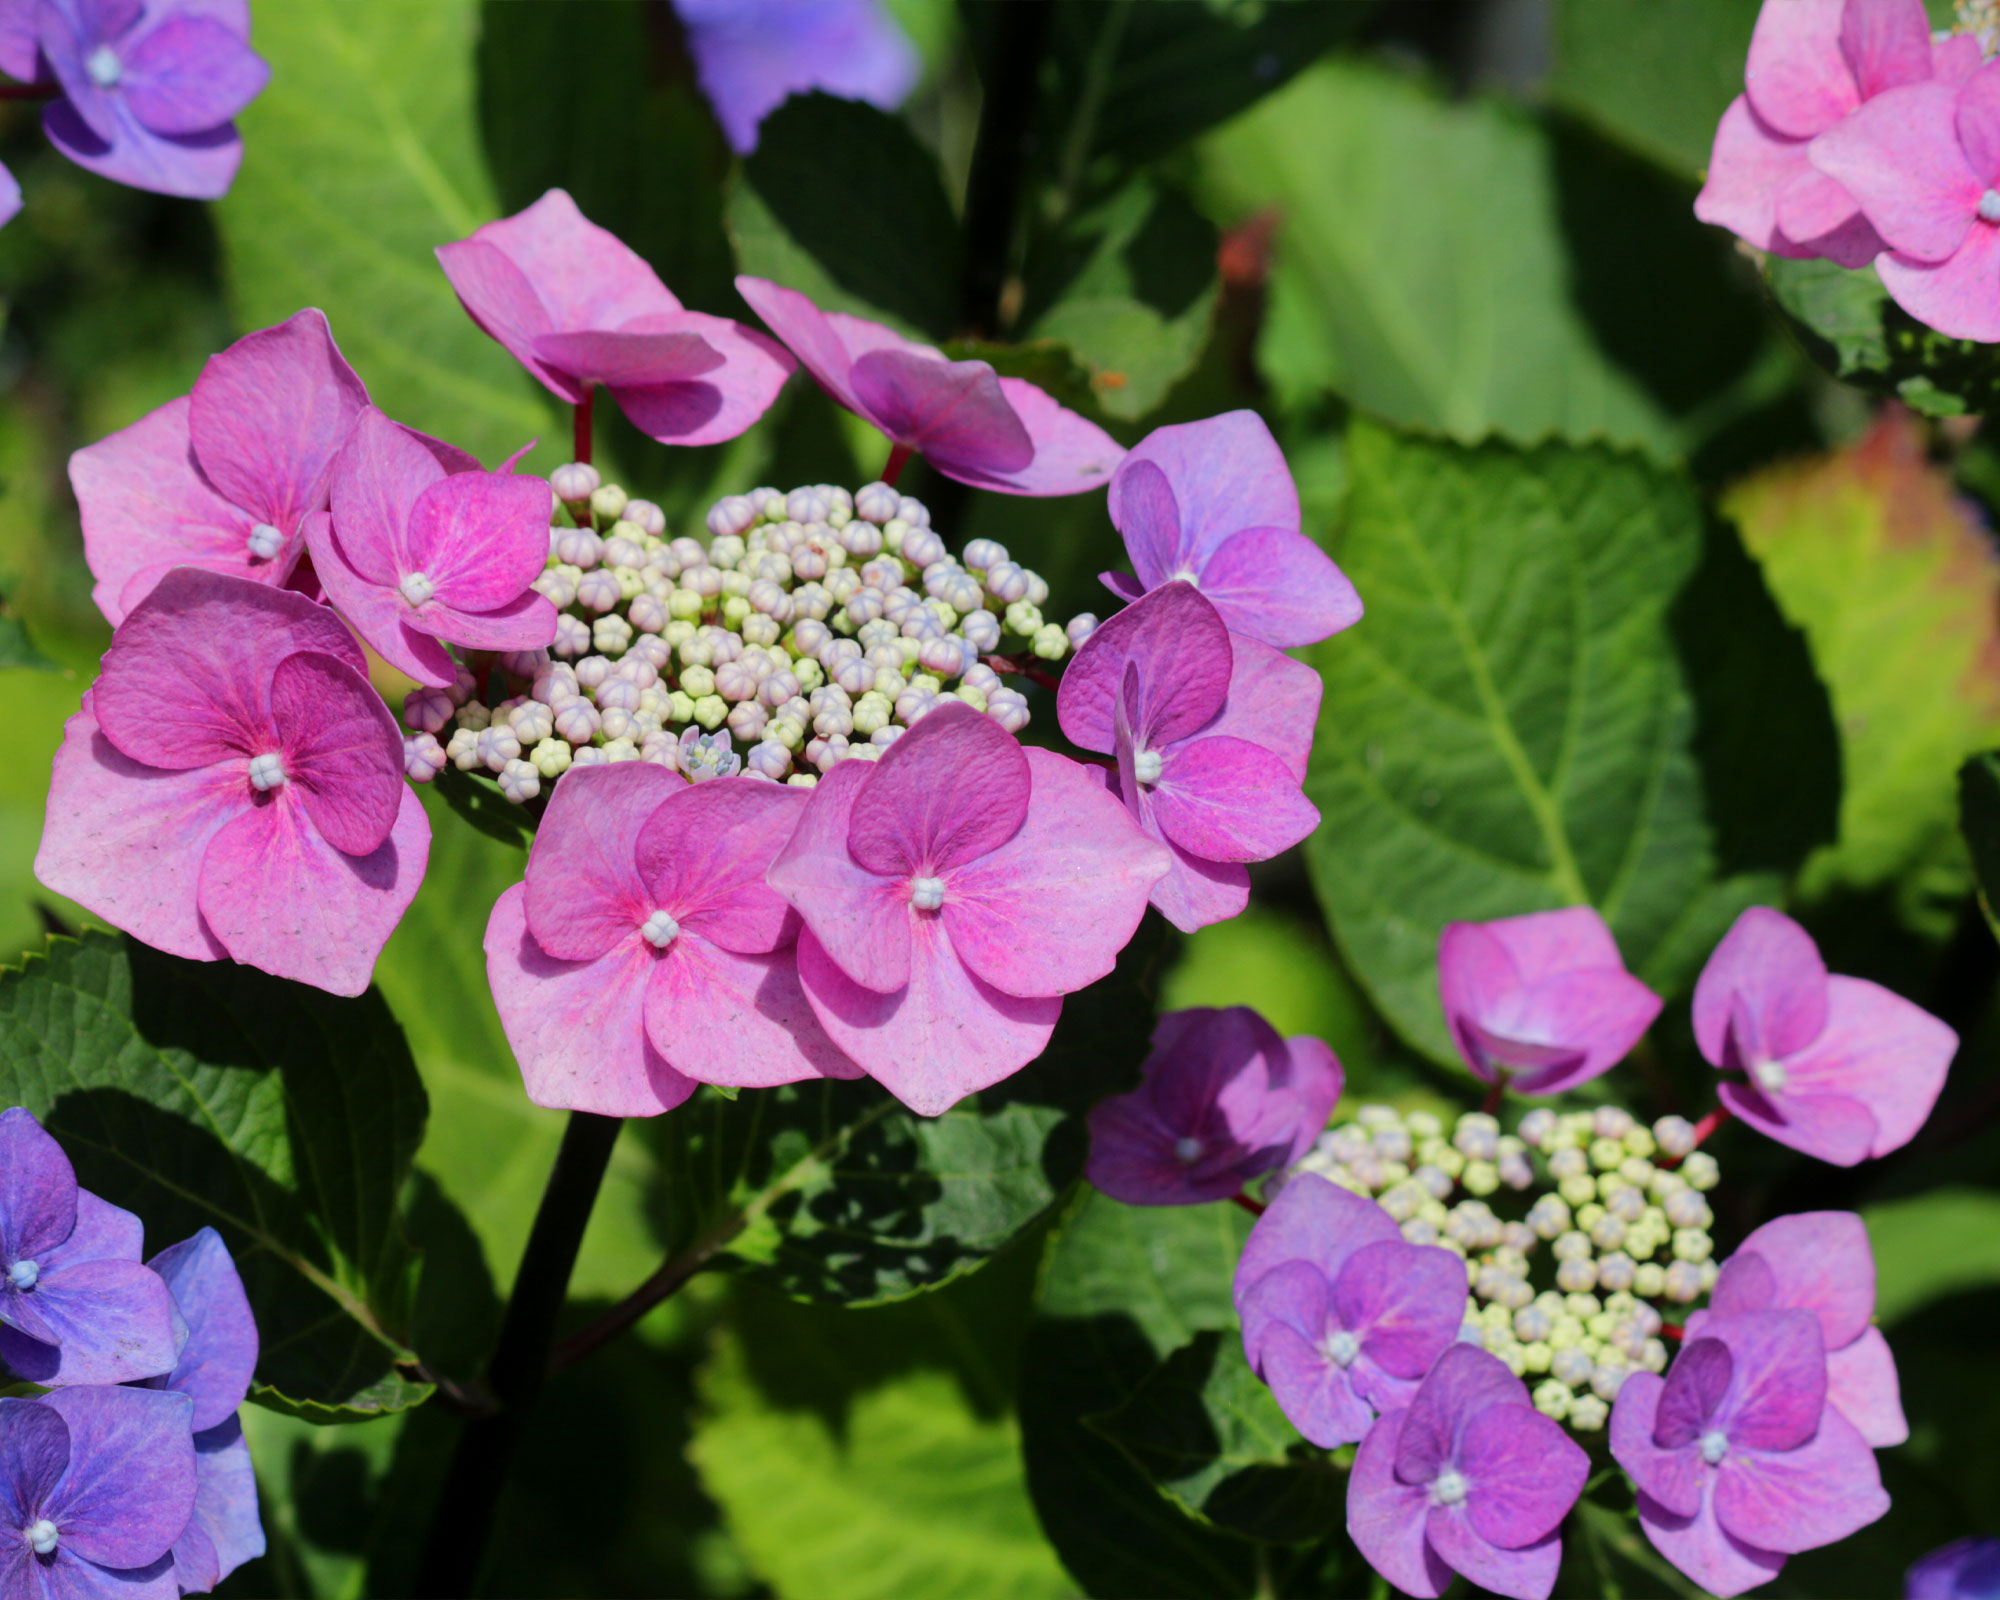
{"x": 1861, "y": 138}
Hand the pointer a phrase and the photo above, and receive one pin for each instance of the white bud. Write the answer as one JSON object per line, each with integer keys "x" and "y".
{"x": 520, "y": 782}
{"x": 574, "y": 482}
{"x": 423, "y": 757}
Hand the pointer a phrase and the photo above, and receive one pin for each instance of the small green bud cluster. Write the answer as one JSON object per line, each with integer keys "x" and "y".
{"x": 1620, "y": 1207}
{"x": 814, "y": 626}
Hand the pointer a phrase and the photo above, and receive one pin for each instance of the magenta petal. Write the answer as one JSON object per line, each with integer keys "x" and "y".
{"x": 269, "y": 414}
{"x": 190, "y": 73}
{"x": 586, "y": 894}
{"x": 499, "y": 298}
{"x": 1145, "y": 512}
{"x": 1406, "y": 1301}
{"x": 1699, "y": 1547}
{"x": 702, "y": 856}
{"x": 1314, "y": 1394}
{"x": 1295, "y": 1295}
{"x": 1273, "y": 703}
{"x": 1793, "y": 1500}
{"x": 1227, "y": 474}
{"x": 629, "y": 358}
{"x": 1071, "y": 454}
{"x": 1386, "y": 1516}
{"x": 1797, "y": 76}
{"x": 1955, "y": 296}
{"x": 585, "y": 275}
{"x": 1885, "y": 45}
{"x": 952, "y": 789}
{"x": 1279, "y": 587}
{"x": 1861, "y": 1385}
{"x": 376, "y": 612}
{"x": 1226, "y": 800}
{"x": 1182, "y": 652}
{"x": 1829, "y": 1127}
{"x": 1777, "y": 1382}
{"x": 578, "y": 1028}
{"x": 341, "y": 747}
{"x": 377, "y": 477}
{"x": 1880, "y": 1050}
{"x": 1672, "y": 1475}
{"x": 1048, "y": 911}
{"x": 1748, "y": 168}
{"x": 1770, "y": 965}
{"x": 1819, "y": 215}
{"x": 719, "y": 1017}
{"x": 1528, "y": 1573}
{"x": 125, "y": 840}
{"x": 952, "y": 412}
{"x": 1314, "y": 1074}
{"x": 719, "y": 405}
{"x": 813, "y": 337}
{"x": 1197, "y": 893}
{"x": 1817, "y": 1261}
{"x": 1978, "y": 123}
{"x": 1601, "y": 1013}
{"x": 1544, "y": 943}
{"x": 1465, "y": 1381}
{"x": 480, "y": 537}
{"x": 943, "y": 1036}
{"x": 136, "y": 1492}
{"x": 281, "y": 898}
{"x": 1899, "y": 157}
{"x": 37, "y": 1188}
{"x": 852, "y": 910}
{"x": 527, "y": 622}
{"x": 1528, "y": 1474}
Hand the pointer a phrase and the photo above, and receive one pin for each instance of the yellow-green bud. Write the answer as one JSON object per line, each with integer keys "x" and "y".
{"x": 711, "y": 711}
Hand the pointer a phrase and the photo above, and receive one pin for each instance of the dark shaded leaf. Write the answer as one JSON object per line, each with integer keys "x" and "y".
{"x": 1656, "y": 74}
{"x": 477, "y": 798}
{"x": 16, "y": 648}
{"x": 1979, "y": 820}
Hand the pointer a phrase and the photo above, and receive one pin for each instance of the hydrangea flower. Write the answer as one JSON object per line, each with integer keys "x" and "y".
{"x": 1210, "y": 731}
{"x": 1738, "y": 1459}
{"x": 1212, "y": 503}
{"x": 96, "y": 1484}
{"x": 1340, "y": 1316}
{"x": 1469, "y": 1479}
{"x": 1819, "y": 1261}
{"x": 233, "y": 787}
{"x": 1541, "y": 1002}
{"x": 1840, "y": 1068}
{"x": 960, "y": 416}
{"x": 149, "y": 86}
{"x": 213, "y": 1369}
{"x": 1223, "y": 1100}
{"x": 1965, "y": 1569}
{"x": 644, "y": 954}
{"x": 576, "y": 306}
{"x": 751, "y": 55}
{"x": 77, "y": 1306}
{"x": 1922, "y": 162}
{"x": 1812, "y": 63}
{"x": 953, "y": 892}
{"x": 224, "y": 477}
{"x": 416, "y": 557}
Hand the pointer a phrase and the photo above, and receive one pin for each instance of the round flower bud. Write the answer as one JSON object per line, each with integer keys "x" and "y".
{"x": 648, "y": 613}
{"x": 698, "y": 681}
{"x": 427, "y": 710}
{"x": 981, "y": 630}
{"x": 520, "y": 782}
{"x": 498, "y": 746}
{"x": 598, "y": 590}
{"x": 1588, "y": 1414}
{"x": 1572, "y": 1246}
{"x": 1006, "y": 582}
{"x": 423, "y": 757}
{"x": 1008, "y": 708}
{"x": 778, "y": 688}
{"x": 984, "y": 554}
{"x": 617, "y": 694}
{"x": 551, "y": 757}
{"x": 607, "y": 501}
{"x": 1568, "y": 1163}
{"x": 580, "y": 548}
{"x": 1687, "y": 1209}
{"x": 1553, "y": 1399}
{"x": 861, "y": 539}
{"x": 807, "y": 505}
{"x": 1701, "y": 1171}
{"x": 1480, "y": 1177}
{"x": 876, "y": 502}
{"x": 1682, "y": 1283}
{"x": 1675, "y": 1136}
{"x": 574, "y": 482}
{"x": 1610, "y": 1122}
{"x": 572, "y": 636}
{"x": 1578, "y": 1190}
{"x": 1419, "y": 1230}
{"x": 531, "y": 720}
{"x": 1050, "y": 643}
{"x": 621, "y": 550}
{"x": 1691, "y": 1244}
{"x": 576, "y": 720}
{"x": 591, "y": 671}
{"x": 747, "y": 721}
{"x": 922, "y": 548}
{"x": 710, "y": 710}
{"x": 646, "y": 517}
{"x": 1577, "y": 1276}
{"x": 770, "y": 759}
{"x": 1571, "y": 1366}
{"x": 1650, "y": 1280}
{"x": 1079, "y": 628}
{"x": 611, "y": 634}
{"x": 1616, "y": 1271}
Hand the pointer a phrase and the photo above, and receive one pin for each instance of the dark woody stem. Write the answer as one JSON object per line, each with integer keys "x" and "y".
{"x": 668, "y": 1281}
{"x": 899, "y": 457}
{"x": 463, "y": 1519}
{"x": 1254, "y": 1207}
{"x": 581, "y": 443}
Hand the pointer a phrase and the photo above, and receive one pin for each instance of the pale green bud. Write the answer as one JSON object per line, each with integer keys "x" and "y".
{"x": 684, "y": 605}
{"x": 551, "y": 757}
{"x": 1578, "y": 1190}
{"x": 1535, "y": 1357}
{"x": 1691, "y": 1244}
{"x": 1701, "y": 1171}
{"x": 1050, "y": 643}
{"x": 697, "y": 681}
{"x": 1553, "y": 1399}
{"x": 711, "y": 710}
{"x": 1588, "y": 1414}
{"x": 1481, "y": 1177}
{"x": 1649, "y": 1280}
{"x": 1639, "y": 1142}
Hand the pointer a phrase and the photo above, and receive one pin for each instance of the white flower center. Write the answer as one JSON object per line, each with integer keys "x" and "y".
{"x": 1146, "y": 765}
{"x": 1989, "y": 206}
{"x": 1714, "y": 1445}
{"x": 659, "y": 930}
{"x": 1448, "y": 1487}
{"x": 1185, "y": 575}
{"x": 1341, "y": 1348}
{"x": 41, "y": 1535}
{"x": 927, "y": 894}
{"x": 1769, "y": 1075}
{"x": 1188, "y": 1149}
{"x": 417, "y": 588}
{"x": 105, "y": 70}
{"x": 265, "y": 542}
{"x": 24, "y": 1274}
{"x": 267, "y": 771}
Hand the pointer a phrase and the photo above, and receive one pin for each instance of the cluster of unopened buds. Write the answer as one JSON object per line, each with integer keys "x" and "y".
{"x": 810, "y": 627}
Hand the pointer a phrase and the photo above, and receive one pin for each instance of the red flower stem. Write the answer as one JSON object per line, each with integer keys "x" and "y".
{"x": 1254, "y": 1207}
{"x": 30, "y": 91}
{"x": 1492, "y": 1103}
{"x": 1709, "y": 1124}
{"x": 581, "y": 444}
{"x": 1673, "y": 1331}
{"x": 1007, "y": 666}
{"x": 899, "y": 456}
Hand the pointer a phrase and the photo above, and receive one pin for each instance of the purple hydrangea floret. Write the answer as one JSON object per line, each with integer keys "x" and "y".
{"x": 1965, "y": 1569}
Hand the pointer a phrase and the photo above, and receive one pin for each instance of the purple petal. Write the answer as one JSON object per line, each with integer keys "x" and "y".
{"x": 130, "y": 1487}
{"x": 1831, "y": 1127}
{"x": 190, "y": 73}
{"x": 1885, "y": 45}
{"x": 197, "y": 166}
{"x": 1279, "y": 587}
{"x": 953, "y": 789}
{"x": 1798, "y": 1499}
{"x": 225, "y": 1530}
{"x": 1181, "y": 651}
{"x": 1748, "y": 168}
{"x": 34, "y": 1452}
{"x": 341, "y": 747}
{"x": 1899, "y": 157}
{"x": 702, "y": 856}
{"x": 1314, "y": 1221}
{"x": 1695, "y": 1387}
{"x": 1777, "y": 1385}
{"x": 1770, "y": 966}
{"x": 629, "y": 358}
{"x": 1954, "y": 296}
{"x": 721, "y": 405}
{"x": 814, "y": 337}
{"x": 1145, "y": 512}
{"x": 1861, "y": 1385}
{"x": 1226, "y": 800}
{"x": 1672, "y": 1475}
{"x": 1880, "y": 1050}
{"x": 1314, "y": 1074}
{"x": 1123, "y": 585}
{"x": 1226, "y": 474}
{"x": 1797, "y": 75}
{"x": 1314, "y": 1394}
{"x": 1817, "y": 1261}
{"x": 1526, "y": 1474}
{"x": 578, "y": 1028}
{"x": 1465, "y": 1381}
{"x": 1405, "y": 1301}
{"x": 953, "y": 413}
{"x": 1698, "y": 1546}
{"x": 1072, "y": 455}
{"x": 37, "y": 1188}
{"x": 18, "y": 46}
{"x": 1746, "y": 1283}
{"x": 586, "y": 895}
{"x": 1294, "y": 1295}
{"x": 1386, "y": 1516}
{"x": 280, "y": 898}
{"x": 866, "y": 917}
{"x": 719, "y": 1017}
{"x": 1526, "y": 1574}
{"x": 217, "y": 1361}
{"x": 1965, "y": 1569}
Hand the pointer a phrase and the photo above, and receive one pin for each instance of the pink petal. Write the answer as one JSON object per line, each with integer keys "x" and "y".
{"x": 527, "y": 622}
{"x": 943, "y": 1036}
{"x": 1476, "y": 977}
{"x": 1316, "y": 1396}
{"x": 1817, "y": 1261}
{"x": 1671, "y": 1475}
{"x": 1885, "y": 44}
{"x": 1960, "y": 296}
{"x": 952, "y": 412}
{"x": 1820, "y": 217}
{"x": 1881, "y": 1050}
{"x": 1197, "y": 893}
{"x": 1144, "y": 511}
{"x": 1314, "y": 1221}
{"x": 377, "y": 477}
{"x": 1273, "y": 703}
{"x": 1978, "y": 123}
{"x": 866, "y": 917}
{"x": 269, "y": 414}
{"x": 186, "y": 682}
{"x": 282, "y": 899}
{"x": 1072, "y": 455}
{"x": 1748, "y": 168}
{"x": 1861, "y": 1385}
{"x": 702, "y": 856}
{"x": 1465, "y": 1381}
{"x": 480, "y": 537}
{"x": 341, "y": 748}
{"x": 1386, "y": 1517}
{"x": 719, "y": 1017}
{"x": 1544, "y": 943}
{"x": 1830, "y": 1127}
{"x": 1697, "y": 1545}
{"x": 1796, "y": 76}
{"x": 146, "y": 509}
{"x": 1226, "y": 800}
{"x": 1770, "y": 966}
{"x": 1777, "y": 1378}
{"x": 586, "y": 893}
{"x": 191, "y": 73}
{"x": 578, "y": 1027}
{"x": 1899, "y": 157}
{"x": 719, "y": 405}
{"x": 586, "y": 276}
{"x": 1601, "y": 1014}
{"x": 1047, "y": 912}
{"x": 624, "y": 357}
{"x": 1182, "y": 652}
{"x": 1314, "y": 1073}
{"x": 1226, "y": 473}
{"x": 499, "y": 298}
{"x": 1279, "y": 587}
{"x": 377, "y": 612}
{"x": 1406, "y": 1301}
{"x": 1793, "y": 1500}
{"x": 1955, "y": 58}
{"x": 1526, "y": 1574}
{"x": 812, "y": 336}
{"x": 951, "y": 790}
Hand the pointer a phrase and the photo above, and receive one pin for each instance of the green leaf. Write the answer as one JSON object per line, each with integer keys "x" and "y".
{"x": 1123, "y": 1287}
{"x": 836, "y": 1192}
{"x": 1508, "y": 730}
{"x": 206, "y": 1093}
{"x": 477, "y": 798}
{"x": 1979, "y": 821}
{"x": 16, "y": 648}
{"x": 360, "y": 158}
{"x": 1656, "y": 74}
{"x": 1931, "y": 1246}
{"x": 1207, "y": 1431}
{"x": 1396, "y": 282}
{"x": 868, "y": 230}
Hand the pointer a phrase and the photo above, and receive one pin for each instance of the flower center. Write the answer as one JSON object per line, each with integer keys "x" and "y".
{"x": 265, "y": 542}
{"x": 417, "y": 588}
{"x": 1146, "y": 765}
{"x": 41, "y": 1535}
{"x": 926, "y": 894}
{"x": 24, "y": 1274}
{"x": 1714, "y": 1445}
{"x": 1188, "y": 1149}
{"x": 105, "y": 70}
{"x": 1769, "y": 1075}
{"x": 267, "y": 771}
{"x": 1448, "y": 1487}
{"x": 1341, "y": 1348}
{"x": 659, "y": 930}
{"x": 1989, "y": 206}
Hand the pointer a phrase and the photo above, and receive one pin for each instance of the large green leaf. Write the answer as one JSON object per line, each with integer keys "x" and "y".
{"x": 1420, "y": 269}
{"x": 1932, "y": 1245}
{"x": 360, "y": 158}
{"x": 835, "y": 1191}
{"x": 1508, "y": 729}
{"x": 1979, "y": 821}
{"x": 206, "y": 1093}
{"x": 1657, "y": 74}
